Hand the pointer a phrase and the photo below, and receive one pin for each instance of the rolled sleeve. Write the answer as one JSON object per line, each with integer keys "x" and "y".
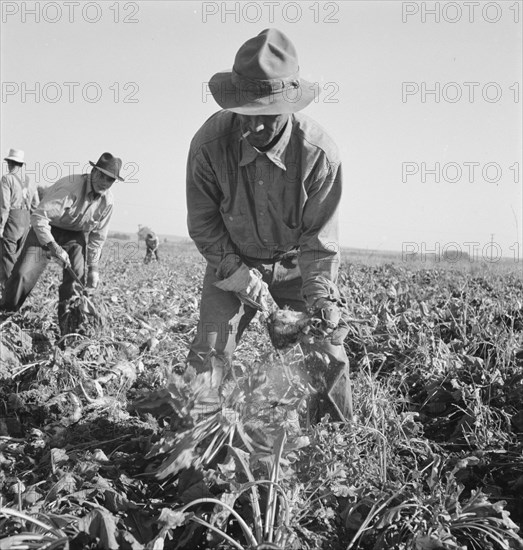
{"x": 43, "y": 214}
{"x": 319, "y": 255}
{"x": 35, "y": 199}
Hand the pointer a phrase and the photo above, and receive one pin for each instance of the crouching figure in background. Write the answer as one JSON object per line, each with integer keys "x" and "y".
{"x": 151, "y": 243}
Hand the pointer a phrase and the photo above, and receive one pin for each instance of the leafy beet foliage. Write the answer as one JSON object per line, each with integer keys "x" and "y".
{"x": 107, "y": 441}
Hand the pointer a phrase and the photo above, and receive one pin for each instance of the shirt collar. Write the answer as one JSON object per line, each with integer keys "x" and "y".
{"x": 249, "y": 153}
{"x": 91, "y": 194}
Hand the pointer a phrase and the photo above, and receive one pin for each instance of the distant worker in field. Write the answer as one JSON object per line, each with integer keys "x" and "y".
{"x": 69, "y": 225}
{"x": 264, "y": 184}
{"x": 17, "y": 198}
{"x": 151, "y": 243}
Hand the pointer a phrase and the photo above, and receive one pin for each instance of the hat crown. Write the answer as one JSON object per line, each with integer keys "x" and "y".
{"x": 109, "y": 165}
{"x": 268, "y": 56}
{"x": 107, "y": 161}
{"x": 264, "y": 79}
{"x": 16, "y": 155}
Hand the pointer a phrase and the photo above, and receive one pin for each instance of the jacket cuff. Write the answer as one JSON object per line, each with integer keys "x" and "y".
{"x": 51, "y": 246}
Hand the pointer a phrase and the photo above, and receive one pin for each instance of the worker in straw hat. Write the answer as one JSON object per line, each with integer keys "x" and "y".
{"x": 264, "y": 184}
{"x": 69, "y": 225}
{"x": 17, "y": 198}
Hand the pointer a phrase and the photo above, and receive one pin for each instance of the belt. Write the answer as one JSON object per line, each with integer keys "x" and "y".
{"x": 277, "y": 257}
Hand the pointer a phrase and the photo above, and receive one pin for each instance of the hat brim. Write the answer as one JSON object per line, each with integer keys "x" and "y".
{"x": 106, "y": 172}
{"x": 249, "y": 102}
{"x": 15, "y": 160}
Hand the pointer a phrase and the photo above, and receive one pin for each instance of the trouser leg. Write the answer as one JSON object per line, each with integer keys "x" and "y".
{"x": 285, "y": 282}
{"x": 30, "y": 264}
{"x": 15, "y": 231}
{"x": 9, "y": 252}
{"x": 7, "y": 259}
{"x": 330, "y": 377}
{"x": 331, "y": 381}
{"x": 223, "y": 319}
{"x": 73, "y": 242}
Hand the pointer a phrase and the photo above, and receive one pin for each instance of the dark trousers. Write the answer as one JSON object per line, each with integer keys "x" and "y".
{"x": 32, "y": 262}
{"x": 224, "y": 318}
{"x": 15, "y": 231}
{"x": 149, "y": 253}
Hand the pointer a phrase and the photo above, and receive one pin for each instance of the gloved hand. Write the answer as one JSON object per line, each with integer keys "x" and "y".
{"x": 246, "y": 283}
{"x": 256, "y": 289}
{"x": 54, "y": 251}
{"x": 93, "y": 277}
{"x": 329, "y": 319}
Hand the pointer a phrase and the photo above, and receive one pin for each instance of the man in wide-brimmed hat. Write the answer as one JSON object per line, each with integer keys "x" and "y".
{"x": 69, "y": 225}
{"x": 264, "y": 184}
{"x": 17, "y": 198}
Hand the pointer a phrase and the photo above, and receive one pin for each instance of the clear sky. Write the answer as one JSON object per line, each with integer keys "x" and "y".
{"x": 422, "y": 98}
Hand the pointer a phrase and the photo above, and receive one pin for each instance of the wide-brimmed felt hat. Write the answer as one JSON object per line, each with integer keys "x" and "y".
{"x": 109, "y": 165}
{"x": 16, "y": 155}
{"x": 265, "y": 78}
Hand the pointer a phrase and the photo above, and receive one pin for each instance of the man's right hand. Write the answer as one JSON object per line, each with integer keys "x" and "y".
{"x": 256, "y": 290}
{"x": 93, "y": 278}
{"x": 55, "y": 251}
{"x": 247, "y": 283}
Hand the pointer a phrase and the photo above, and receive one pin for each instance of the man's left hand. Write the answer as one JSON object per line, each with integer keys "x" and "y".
{"x": 93, "y": 278}
{"x": 329, "y": 320}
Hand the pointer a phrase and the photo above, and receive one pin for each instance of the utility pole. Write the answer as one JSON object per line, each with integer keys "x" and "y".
{"x": 491, "y": 246}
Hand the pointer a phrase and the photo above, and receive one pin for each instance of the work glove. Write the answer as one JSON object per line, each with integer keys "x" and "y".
{"x": 246, "y": 283}
{"x": 54, "y": 251}
{"x": 329, "y": 319}
{"x": 257, "y": 290}
{"x": 93, "y": 278}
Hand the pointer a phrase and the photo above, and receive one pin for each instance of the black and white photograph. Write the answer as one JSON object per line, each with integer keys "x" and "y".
{"x": 261, "y": 275}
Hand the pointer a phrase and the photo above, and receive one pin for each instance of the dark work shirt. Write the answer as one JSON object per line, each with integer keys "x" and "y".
{"x": 261, "y": 205}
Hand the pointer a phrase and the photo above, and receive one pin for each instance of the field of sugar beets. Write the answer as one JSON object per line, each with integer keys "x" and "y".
{"x": 105, "y": 442}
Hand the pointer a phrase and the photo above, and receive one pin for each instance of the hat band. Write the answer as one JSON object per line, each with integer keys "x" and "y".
{"x": 264, "y": 86}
